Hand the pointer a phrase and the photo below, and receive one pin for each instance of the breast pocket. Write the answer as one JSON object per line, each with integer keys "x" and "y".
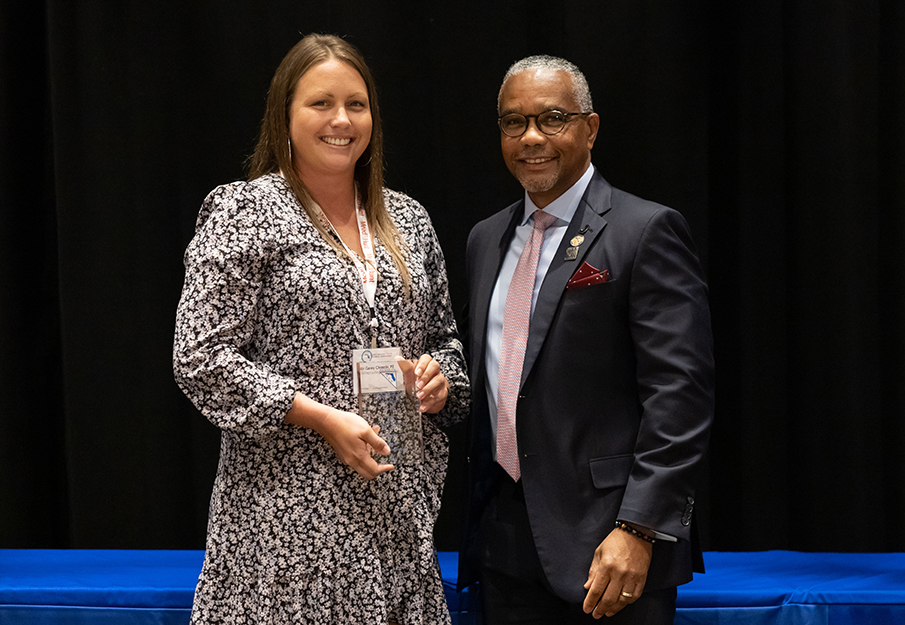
{"x": 591, "y": 293}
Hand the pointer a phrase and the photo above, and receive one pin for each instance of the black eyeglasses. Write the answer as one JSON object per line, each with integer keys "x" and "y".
{"x": 548, "y": 122}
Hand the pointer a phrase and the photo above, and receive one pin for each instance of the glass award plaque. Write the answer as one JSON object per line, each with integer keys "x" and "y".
{"x": 387, "y": 398}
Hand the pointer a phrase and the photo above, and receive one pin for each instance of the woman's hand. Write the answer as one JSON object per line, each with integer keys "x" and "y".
{"x": 348, "y": 434}
{"x": 431, "y": 387}
{"x": 352, "y": 439}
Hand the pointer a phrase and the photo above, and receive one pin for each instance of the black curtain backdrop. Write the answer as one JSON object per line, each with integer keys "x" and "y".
{"x": 775, "y": 126}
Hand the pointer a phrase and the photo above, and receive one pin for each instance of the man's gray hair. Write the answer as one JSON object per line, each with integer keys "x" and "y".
{"x": 580, "y": 88}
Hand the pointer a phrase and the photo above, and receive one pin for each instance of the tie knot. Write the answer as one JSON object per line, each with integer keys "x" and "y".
{"x": 542, "y": 220}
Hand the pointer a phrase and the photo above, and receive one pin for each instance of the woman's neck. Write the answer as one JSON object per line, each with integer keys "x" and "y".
{"x": 335, "y": 195}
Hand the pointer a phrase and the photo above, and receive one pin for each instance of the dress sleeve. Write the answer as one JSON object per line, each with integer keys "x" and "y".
{"x": 226, "y": 265}
{"x": 443, "y": 338}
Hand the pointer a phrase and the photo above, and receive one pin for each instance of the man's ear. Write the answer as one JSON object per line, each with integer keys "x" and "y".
{"x": 593, "y": 127}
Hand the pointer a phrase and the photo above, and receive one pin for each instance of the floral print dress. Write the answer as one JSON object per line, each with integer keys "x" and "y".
{"x": 269, "y": 309}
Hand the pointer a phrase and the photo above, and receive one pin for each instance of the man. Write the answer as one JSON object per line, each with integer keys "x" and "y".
{"x": 592, "y": 375}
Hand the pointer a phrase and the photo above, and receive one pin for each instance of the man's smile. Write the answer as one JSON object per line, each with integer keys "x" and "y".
{"x": 536, "y": 160}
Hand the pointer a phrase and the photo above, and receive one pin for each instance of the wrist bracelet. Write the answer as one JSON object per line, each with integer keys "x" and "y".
{"x": 633, "y": 531}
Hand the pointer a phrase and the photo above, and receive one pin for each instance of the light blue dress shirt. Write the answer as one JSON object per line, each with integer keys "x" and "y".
{"x": 563, "y": 208}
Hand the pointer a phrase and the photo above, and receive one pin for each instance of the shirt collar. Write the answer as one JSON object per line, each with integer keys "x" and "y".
{"x": 563, "y": 207}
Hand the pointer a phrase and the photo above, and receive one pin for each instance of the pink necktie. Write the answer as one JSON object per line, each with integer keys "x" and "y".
{"x": 516, "y": 317}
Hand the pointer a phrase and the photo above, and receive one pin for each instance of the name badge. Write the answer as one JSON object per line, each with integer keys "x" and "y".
{"x": 377, "y": 369}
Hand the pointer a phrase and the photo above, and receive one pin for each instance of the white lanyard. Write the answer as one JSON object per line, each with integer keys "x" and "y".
{"x": 368, "y": 269}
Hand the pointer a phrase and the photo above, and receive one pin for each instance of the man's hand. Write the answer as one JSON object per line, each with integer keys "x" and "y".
{"x": 619, "y": 569}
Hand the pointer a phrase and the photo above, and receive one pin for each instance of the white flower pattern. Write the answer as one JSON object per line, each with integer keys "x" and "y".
{"x": 268, "y": 309}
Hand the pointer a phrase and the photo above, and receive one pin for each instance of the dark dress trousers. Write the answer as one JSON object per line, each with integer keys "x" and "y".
{"x": 616, "y": 402}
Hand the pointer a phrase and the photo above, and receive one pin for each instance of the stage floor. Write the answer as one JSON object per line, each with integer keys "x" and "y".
{"x": 793, "y": 588}
{"x": 107, "y": 587}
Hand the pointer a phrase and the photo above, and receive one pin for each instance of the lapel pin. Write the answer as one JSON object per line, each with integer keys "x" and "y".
{"x": 572, "y": 252}
{"x": 584, "y": 229}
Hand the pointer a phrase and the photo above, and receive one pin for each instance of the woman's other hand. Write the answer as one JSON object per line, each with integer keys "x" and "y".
{"x": 430, "y": 385}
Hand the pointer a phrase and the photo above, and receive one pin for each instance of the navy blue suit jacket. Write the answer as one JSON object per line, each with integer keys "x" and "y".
{"x": 616, "y": 401}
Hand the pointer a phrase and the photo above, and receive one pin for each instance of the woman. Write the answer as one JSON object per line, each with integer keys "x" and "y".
{"x": 305, "y": 526}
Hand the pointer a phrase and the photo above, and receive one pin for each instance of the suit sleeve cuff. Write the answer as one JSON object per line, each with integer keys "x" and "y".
{"x": 651, "y": 532}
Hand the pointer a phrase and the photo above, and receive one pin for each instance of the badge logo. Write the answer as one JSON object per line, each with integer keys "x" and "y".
{"x": 390, "y": 376}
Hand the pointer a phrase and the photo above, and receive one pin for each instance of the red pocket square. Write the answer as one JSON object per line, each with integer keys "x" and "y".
{"x": 585, "y": 271}
{"x": 586, "y": 276}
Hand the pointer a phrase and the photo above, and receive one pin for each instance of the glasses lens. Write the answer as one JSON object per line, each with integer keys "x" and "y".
{"x": 551, "y": 122}
{"x": 513, "y": 124}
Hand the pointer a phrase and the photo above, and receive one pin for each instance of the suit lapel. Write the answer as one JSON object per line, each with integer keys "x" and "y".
{"x": 593, "y": 205}
{"x": 488, "y": 272}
